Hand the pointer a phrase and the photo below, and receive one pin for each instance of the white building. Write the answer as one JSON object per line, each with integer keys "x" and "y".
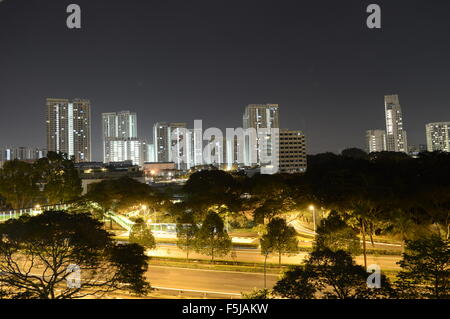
{"x": 264, "y": 118}
{"x": 438, "y": 136}
{"x": 120, "y": 141}
{"x": 396, "y": 139}
{"x": 126, "y": 149}
{"x": 173, "y": 142}
{"x": 69, "y": 128}
{"x": 375, "y": 141}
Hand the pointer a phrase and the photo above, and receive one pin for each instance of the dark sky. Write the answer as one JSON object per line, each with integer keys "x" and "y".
{"x": 180, "y": 60}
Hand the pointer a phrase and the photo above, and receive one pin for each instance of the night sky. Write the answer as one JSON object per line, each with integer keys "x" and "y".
{"x": 180, "y": 60}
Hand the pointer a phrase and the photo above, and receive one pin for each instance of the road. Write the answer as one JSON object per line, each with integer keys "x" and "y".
{"x": 207, "y": 280}
{"x": 386, "y": 262}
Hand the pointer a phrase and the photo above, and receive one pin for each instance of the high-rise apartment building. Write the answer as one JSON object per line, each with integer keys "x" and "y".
{"x": 120, "y": 140}
{"x": 375, "y": 141}
{"x": 69, "y": 128}
{"x": 126, "y": 149}
{"x": 438, "y": 136}
{"x": 292, "y": 145}
{"x": 170, "y": 144}
{"x": 194, "y": 147}
{"x": 161, "y": 141}
{"x": 264, "y": 118}
{"x": 396, "y": 140}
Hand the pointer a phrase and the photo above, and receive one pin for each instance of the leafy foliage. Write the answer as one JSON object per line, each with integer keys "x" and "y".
{"x": 330, "y": 274}
{"x": 140, "y": 234}
{"x": 335, "y": 234}
{"x": 425, "y": 269}
{"x": 212, "y": 238}
{"x": 60, "y": 178}
{"x": 36, "y": 253}
{"x": 279, "y": 238}
{"x": 187, "y": 231}
{"x": 18, "y": 184}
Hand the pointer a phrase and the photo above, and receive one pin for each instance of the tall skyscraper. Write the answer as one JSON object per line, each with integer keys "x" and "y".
{"x": 263, "y": 118}
{"x": 121, "y": 124}
{"x": 396, "y": 140}
{"x": 438, "y": 136}
{"x": 375, "y": 141}
{"x": 168, "y": 148}
{"x": 69, "y": 128}
{"x": 120, "y": 141}
{"x": 195, "y": 147}
{"x": 292, "y": 151}
{"x": 161, "y": 141}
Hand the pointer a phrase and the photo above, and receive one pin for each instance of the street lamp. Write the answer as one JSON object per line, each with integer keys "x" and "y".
{"x": 313, "y": 209}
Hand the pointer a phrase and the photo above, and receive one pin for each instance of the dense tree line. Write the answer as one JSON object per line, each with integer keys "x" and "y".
{"x": 372, "y": 193}
{"x": 48, "y": 181}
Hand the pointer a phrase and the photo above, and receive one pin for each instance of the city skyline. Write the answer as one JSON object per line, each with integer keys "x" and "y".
{"x": 199, "y": 62}
{"x": 124, "y": 129}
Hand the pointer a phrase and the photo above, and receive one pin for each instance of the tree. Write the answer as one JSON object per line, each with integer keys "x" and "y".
{"x": 270, "y": 208}
{"x": 337, "y": 275}
{"x": 330, "y": 274}
{"x": 211, "y": 190}
{"x": 280, "y": 238}
{"x": 60, "y": 178}
{"x": 212, "y": 238}
{"x": 297, "y": 283}
{"x": 37, "y": 255}
{"x": 122, "y": 194}
{"x": 425, "y": 269}
{"x": 335, "y": 234}
{"x": 186, "y": 232}
{"x": 141, "y": 234}
{"x": 354, "y": 153}
{"x": 18, "y": 184}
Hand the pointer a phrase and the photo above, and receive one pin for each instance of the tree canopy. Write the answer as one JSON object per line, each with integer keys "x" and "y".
{"x": 38, "y": 254}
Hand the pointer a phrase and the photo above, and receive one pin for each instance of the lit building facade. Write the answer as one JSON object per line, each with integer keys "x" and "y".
{"x": 396, "y": 139}
{"x": 69, "y": 128}
{"x": 375, "y": 141}
{"x": 120, "y": 141}
{"x": 292, "y": 151}
{"x": 438, "y": 136}
{"x": 264, "y": 119}
{"x": 171, "y": 142}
